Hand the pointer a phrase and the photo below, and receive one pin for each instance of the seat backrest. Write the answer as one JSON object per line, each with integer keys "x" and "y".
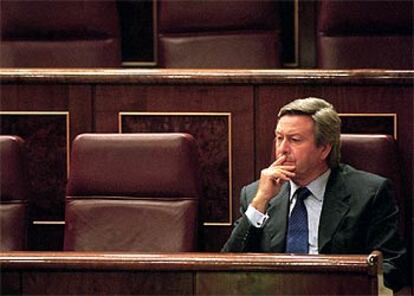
{"x": 365, "y": 34}
{"x": 64, "y": 33}
{"x": 376, "y": 154}
{"x": 13, "y": 194}
{"x": 133, "y": 192}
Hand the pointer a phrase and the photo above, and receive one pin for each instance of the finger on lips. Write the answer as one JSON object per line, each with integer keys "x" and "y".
{"x": 279, "y": 160}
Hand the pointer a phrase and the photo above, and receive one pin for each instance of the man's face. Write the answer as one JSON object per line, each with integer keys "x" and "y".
{"x": 295, "y": 138}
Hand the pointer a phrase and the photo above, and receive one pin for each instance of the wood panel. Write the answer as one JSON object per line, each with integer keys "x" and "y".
{"x": 264, "y": 282}
{"x": 45, "y": 149}
{"x": 107, "y": 282}
{"x": 369, "y": 123}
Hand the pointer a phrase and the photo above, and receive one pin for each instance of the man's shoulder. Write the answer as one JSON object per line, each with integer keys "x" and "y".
{"x": 359, "y": 180}
{"x": 359, "y": 186}
{"x": 350, "y": 172}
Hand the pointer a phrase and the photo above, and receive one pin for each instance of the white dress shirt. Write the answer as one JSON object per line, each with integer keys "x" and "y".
{"x": 313, "y": 206}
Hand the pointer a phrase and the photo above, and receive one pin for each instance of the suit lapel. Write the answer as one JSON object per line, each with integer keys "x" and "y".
{"x": 275, "y": 231}
{"x": 335, "y": 206}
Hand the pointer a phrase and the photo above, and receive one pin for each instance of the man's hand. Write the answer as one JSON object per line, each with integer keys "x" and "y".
{"x": 271, "y": 180}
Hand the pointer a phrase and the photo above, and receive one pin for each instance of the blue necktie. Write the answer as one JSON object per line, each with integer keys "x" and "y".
{"x": 297, "y": 235}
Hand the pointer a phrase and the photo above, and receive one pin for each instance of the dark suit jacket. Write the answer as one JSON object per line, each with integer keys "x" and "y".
{"x": 358, "y": 215}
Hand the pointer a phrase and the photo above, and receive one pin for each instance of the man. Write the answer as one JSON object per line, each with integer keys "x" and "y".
{"x": 340, "y": 210}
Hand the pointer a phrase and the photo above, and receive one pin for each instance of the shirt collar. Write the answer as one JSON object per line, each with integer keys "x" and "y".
{"x": 317, "y": 187}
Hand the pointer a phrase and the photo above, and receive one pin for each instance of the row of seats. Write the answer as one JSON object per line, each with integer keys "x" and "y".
{"x": 205, "y": 34}
{"x": 141, "y": 192}
{"x": 125, "y": 192}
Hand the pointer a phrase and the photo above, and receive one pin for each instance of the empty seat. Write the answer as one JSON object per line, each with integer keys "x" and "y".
{"x": 365, "y": 34}
{"x": 218, "y": 34}
{"x": 133, "y": 192}
{"x": 13, "y": 195}
{"x": 77, "y": 33}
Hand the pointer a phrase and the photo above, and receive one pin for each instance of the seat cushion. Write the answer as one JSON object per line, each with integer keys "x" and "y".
{"x": 13, "y": 224}
{"x": 62, "y": 53}
{"x": 13, "y": 185}
{"x": 348, "y": 52}
{"x": 140, "y": 225}
{"x": 224, "y": 50}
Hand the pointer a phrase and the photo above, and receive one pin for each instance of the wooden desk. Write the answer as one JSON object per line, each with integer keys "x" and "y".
{"x": 75, "y": 273}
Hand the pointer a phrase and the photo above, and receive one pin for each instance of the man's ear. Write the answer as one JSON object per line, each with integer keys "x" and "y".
{"x": 326, "y": 149}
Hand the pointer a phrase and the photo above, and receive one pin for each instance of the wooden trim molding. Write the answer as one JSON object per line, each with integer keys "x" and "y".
{"x": 370, "y": 264}
{"x": 203, "y": 76}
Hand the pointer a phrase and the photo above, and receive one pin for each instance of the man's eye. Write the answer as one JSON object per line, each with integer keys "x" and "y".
{"x": 296, "y": 140}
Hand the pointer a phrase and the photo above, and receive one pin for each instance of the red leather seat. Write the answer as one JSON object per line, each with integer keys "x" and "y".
{"x": 365, "y": 34}
{"x": 13, "y": 195}
{"x": 376, "y": 154}
{"x": 218, "y": 34}
{"x": 81, "y": 33}
{"x": 133, "y": 192}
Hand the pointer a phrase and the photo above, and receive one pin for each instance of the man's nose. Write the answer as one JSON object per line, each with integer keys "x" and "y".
{"x": 284, "y": 147}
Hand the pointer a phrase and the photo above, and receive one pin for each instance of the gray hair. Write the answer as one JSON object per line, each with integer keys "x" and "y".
{"x": 327, "y": 123}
